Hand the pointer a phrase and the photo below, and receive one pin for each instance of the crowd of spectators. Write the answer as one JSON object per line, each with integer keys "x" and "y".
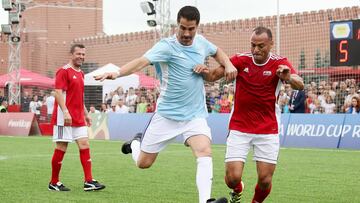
{"x": 35, "y": 102}
{"x": 133, "y": 100}
{"x": 323, "y": 97}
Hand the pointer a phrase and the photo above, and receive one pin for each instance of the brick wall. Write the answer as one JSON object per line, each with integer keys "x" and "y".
{"x": 50, "y": 29}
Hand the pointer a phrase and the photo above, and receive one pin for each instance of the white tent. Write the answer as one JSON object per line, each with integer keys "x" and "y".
{"x": 110, "y": 85}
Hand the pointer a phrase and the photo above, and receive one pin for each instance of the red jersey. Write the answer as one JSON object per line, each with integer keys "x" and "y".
{"x": 71, "y": 81}
{"x": 257, "y": 87}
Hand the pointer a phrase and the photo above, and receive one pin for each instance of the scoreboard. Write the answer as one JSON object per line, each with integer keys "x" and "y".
{"x": 345, "y": 43}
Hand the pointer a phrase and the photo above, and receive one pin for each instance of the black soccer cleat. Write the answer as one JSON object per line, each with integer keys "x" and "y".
{"x": 58, "y": 187}
{"x": 126, "y": 147}
{"x": 220, "y": 200}
{"x": 93, "y": 185}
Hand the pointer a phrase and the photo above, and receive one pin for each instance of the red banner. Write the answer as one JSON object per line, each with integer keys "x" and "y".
{"x": 18, "y": 124}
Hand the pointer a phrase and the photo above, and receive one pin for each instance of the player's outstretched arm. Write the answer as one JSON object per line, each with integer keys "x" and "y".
{"x": 296, "y": 82}
{"x": 129, "y": 68}
{"x": 230, "y": 72}
{"x": 210, "y": 74}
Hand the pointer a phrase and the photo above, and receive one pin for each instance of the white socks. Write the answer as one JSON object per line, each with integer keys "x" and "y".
{"x": 204, "y": 175}
{"x": 135, "y": 147}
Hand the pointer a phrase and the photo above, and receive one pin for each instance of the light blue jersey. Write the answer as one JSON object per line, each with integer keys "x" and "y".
{"x": 182, "y": 92}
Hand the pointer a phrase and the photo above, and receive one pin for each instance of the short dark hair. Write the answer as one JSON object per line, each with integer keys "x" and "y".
{"x": 189, "y": 13}
{"x": 260, "y": 29}
{"x": 72, "y": 48}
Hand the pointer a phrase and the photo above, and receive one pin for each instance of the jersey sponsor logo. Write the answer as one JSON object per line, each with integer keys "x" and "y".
{"x": 246, "y": 70}
{"x": 267, "y": 73}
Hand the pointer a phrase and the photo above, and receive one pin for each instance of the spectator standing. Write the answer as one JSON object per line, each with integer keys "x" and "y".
{"x": 130, "y": 100}
{"x": 351, "y": 93}
{"x": 122, "y": 108}
{"x": 35, "y": 106}
{"x": 93, "y": 110}
{"x": 103, "y": 108}
{"x": 297, "y": 101}
{"x": 142, "y": 105}
{"x": 355, "y": 106}
{"x": 25, "y": 102}
{"x": 225, "y": 105}
{"x": 3, "y": 106}
{"x": 328, "y": 105}
{"x": 50, "y": 101}
{"x": 216, "y": 106}
{"x": 151, "y": 106}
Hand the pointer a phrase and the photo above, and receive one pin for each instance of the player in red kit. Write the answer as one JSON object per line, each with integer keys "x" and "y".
{"x": 255, "y": 117}
{"x": 70, "y": 119}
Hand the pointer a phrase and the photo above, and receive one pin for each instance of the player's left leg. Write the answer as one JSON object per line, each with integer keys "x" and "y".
{"x": 201, "y": 148}
{"x": 263, "y": 186}
{"x": 82, "y": 140}
{"x": 266, "y": 151}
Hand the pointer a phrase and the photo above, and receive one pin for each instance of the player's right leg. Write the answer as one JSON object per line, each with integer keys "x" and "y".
{"x": 237, "y": 148}
{"x": 56, "y": 161}
{"x": 145, "y": 148}
{"x": 266, "y": 151}
{"x": 198, "y": 136}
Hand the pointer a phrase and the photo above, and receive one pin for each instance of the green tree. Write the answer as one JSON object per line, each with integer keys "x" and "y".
{"x": 326, "y": 59}
{"x": 317, "y": 59}
{"x": 302, "y": 60}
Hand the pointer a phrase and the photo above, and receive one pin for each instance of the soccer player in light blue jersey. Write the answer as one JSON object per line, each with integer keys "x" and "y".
{"x": 181, "y": 107}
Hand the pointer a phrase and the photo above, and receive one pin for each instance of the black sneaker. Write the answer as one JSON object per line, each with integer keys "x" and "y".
{"x": 93, "y": 185}
{"x": 58, "y": 187}
{"x": 220, "y": 200}
{"x": 126, "y": 147}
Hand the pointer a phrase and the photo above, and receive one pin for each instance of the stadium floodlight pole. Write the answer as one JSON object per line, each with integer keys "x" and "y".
{"x": 14, "y": 52}
{"x": 278, "y": 28}
{"x": 159, "y": 14}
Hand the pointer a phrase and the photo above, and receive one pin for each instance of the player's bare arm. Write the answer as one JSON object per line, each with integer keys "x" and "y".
{"x": 230, "y": 71}
{"x": 129, "y": 68}
{"x": 61, "y": 102}
{"x": 210, "y": 74}
{"x": 87, "y": 117}
{"x": 296, "y": 82}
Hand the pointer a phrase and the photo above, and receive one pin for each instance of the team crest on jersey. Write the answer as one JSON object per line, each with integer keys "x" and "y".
{"x": 246, "y": 70}
{"x": 74, "y": 77}
{"x": 267, "y": 73}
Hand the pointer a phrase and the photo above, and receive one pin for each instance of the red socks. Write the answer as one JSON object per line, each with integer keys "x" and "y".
{"x": 86, "y": 163}
{"x": 56, "y": 165}
{"x": 239, "y": 188}
{"x": 260, "y": 194}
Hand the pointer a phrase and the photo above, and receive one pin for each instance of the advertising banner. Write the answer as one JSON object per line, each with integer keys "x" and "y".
{"x": 18, "y": 124}
{"x": 350, "y": 136}
{"x": 99, "y": 129}
{"x": 314, "y": 130}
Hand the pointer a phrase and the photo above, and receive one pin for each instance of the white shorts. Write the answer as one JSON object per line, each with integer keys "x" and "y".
{"x": 161, "y": 131}
{"x": 266, "y": 147}
{"x": 69, "y": 133}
